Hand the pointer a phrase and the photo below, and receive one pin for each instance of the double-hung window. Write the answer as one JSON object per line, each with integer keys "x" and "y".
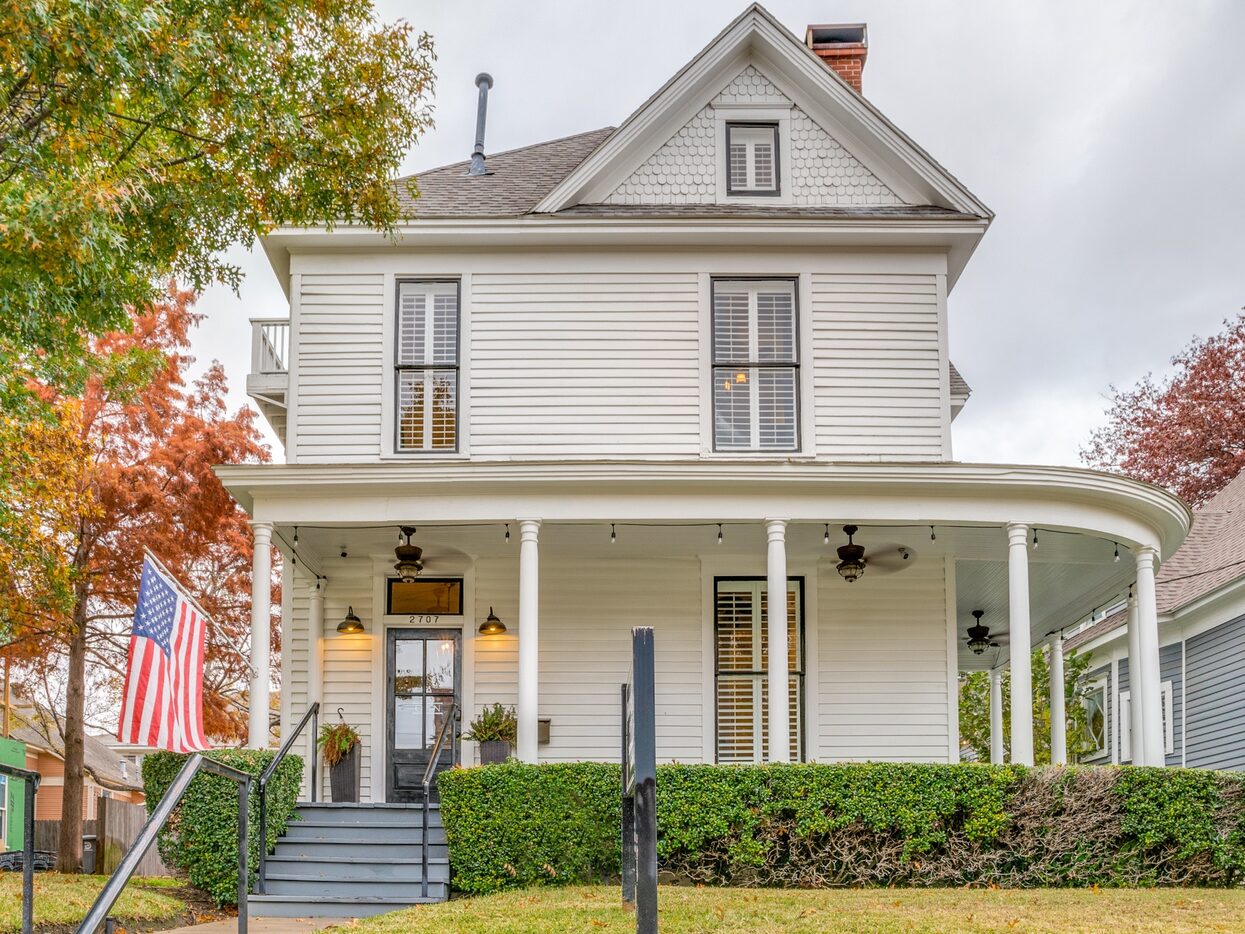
{"x": 426, "y": 377}
{"x": 741, "y": 679}
{"x": 755, "y": 365}
{"x": 752, "y": 159}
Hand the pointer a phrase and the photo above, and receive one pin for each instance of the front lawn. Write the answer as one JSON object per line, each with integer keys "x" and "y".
{"x": 831, "y": 911}
{"x": 63, "y": 900}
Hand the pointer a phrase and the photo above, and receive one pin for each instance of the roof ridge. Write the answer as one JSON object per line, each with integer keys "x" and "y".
{"x": 509, "y": 152}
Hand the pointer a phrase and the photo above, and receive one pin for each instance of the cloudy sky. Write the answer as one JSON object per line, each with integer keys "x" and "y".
{"x": 1108, "y": 138}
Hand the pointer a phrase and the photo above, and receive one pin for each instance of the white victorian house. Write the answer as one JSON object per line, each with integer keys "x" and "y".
{"x": 646, "y": 375}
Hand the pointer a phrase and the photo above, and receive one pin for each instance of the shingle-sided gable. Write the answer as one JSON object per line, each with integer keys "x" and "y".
{"x": 684, "y": 169}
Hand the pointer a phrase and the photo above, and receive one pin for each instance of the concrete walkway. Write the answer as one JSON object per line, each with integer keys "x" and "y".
{"x": 262, "y": 926}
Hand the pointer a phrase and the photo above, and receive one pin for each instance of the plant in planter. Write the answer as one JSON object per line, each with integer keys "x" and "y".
{"x": 495, "y": 730}
{"x": 340, "y": 744}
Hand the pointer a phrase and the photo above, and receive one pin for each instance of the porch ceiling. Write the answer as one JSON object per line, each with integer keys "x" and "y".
{"x": 1070, "y": 574}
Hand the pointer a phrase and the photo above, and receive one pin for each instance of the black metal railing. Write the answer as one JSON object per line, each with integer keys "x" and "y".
{"x": 147, "y": 836}
{"x": 451, "y": 724}
{"x": 312, "y": 714}
{"x": 31, "y": 781}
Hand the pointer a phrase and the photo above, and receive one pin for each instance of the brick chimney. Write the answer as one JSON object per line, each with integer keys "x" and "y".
{"x": 843, "y": 47}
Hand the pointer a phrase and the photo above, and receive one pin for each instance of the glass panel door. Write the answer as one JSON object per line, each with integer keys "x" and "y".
{"x": 423, "y": 682}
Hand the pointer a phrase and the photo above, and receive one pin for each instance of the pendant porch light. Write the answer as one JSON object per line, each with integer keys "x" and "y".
{"x": 408, "y": 565}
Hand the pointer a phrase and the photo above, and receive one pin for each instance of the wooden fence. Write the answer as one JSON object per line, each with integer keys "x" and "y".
{"x": 115, "y": 828}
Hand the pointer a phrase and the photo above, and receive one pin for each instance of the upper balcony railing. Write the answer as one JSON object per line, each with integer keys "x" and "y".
{"x": 270, "y": 345}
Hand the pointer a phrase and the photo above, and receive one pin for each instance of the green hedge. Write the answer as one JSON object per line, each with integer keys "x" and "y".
{"x": 201, "y": 838}
{"x": 868, "y": 824}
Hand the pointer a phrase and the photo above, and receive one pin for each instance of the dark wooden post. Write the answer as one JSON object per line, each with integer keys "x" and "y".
{"x": 644, "y": 726}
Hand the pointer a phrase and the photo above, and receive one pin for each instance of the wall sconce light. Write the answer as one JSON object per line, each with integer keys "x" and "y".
{"x": 351, "y": 624}
{"x": 492, "y": 626}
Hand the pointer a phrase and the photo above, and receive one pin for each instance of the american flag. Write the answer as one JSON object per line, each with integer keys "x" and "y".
{"x": 162, "y": 705}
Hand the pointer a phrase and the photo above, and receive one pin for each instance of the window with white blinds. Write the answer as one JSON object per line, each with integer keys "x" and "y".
{"x": 755, "y": 366}
{"x": 741, "y": 679}
{"x": 752, "y": 158}
{"x": 427, "y": 366}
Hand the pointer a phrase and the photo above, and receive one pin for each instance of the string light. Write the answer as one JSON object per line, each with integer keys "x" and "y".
{"x": 507, "y": 533}
{"x": 613, "y": 534}
{"x": 719, "y": 533}
{"x": 825, "y": 539}
{"x": 1117, "y": 552}
{"x": 295, "y": 536}
{"x": 932, "y": 536}
{"x": 1035, "y": 542}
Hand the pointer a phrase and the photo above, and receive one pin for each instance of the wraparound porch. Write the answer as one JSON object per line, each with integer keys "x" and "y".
{"x": 874, "y": 662}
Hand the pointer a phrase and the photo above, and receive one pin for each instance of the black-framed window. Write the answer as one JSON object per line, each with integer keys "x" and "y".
{"x": 756, "y": 377}
{"x": 426, "y": 366}
{"x": 424, "y": 596}
{"x": 752, "y": 159}
{"x": 741, "y": 662}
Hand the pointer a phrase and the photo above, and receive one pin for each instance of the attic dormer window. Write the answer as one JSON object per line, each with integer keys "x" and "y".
{"x": 752, "y": 158}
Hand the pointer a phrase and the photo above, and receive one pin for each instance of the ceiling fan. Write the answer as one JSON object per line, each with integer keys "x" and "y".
{"x": 885, "y": 558}
{"x": 979, "y": 638}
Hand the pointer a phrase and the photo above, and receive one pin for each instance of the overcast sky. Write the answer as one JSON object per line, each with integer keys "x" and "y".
{"x": 1108, "y": 138}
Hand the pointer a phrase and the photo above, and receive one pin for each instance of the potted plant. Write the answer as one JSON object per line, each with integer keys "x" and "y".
{"x": 494, "y": 730}
{"x": 340, "y": 743}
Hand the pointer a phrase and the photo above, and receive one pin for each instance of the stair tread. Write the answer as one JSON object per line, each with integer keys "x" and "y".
{"x": 348, "y": 899}
{"x": 368, "y": 806}
{"x": 356, "y": 861}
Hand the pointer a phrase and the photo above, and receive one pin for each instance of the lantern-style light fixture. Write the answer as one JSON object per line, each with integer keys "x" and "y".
{"x": 851, "y": 564}
{"x": 408, "y": 565}
{"x": 979, "y": 636}
{"x": 492, "y": 626}
{"x": 351, "y": 623}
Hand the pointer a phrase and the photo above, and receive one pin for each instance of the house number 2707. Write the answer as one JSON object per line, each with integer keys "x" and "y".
{"x": 424, "y": 619}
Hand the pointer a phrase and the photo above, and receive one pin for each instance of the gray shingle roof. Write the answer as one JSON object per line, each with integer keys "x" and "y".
{"x": 756, "y": 210}
{"x": 1213, "y": 555}
{"x": 102, "y": 763}
{"x": 519, "y": 179}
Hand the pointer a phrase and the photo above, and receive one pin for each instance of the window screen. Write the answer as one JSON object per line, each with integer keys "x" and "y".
{"x": 742, "y": 683}
{"x": 427, "y": 366}
{"x": 752, "y": 158}
{"x": 755, "y": 366}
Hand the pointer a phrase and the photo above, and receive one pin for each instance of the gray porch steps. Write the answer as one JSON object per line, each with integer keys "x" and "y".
{"x": 354, "y": 861}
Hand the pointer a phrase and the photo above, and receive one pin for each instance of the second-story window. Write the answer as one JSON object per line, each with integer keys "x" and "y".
{"x": 427, "y": 366}
{"x": 752, "y": 158}
{"x": 755, "y": 365}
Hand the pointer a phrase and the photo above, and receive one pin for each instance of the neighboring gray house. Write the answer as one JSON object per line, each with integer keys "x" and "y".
{"x": 1201, "y": 604}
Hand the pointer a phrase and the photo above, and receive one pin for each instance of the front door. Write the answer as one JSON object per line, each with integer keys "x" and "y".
{"x": 423, "y": 680}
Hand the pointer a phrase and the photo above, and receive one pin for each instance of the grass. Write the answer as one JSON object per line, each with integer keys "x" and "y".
{"x": 831, "y": 911}
{"x": 62, "y": 900}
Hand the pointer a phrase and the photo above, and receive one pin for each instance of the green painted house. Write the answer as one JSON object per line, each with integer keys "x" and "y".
{"x": 12, "y": 752}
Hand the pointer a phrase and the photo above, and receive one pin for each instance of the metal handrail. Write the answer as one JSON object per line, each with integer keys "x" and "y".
{"x": 265, "y": 776}
{"x": 31, "y": 781}
{"x": 172, "y": 797}
{"x": 450, "y": 722}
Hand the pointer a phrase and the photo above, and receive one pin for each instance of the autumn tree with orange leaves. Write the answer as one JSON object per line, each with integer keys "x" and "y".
{"x": 1186, "y": 432}
{"x": 148, "y": 484}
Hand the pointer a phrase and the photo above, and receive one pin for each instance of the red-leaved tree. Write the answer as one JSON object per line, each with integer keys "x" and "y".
{"x": 152, "y": 441}
{"x": 1186, "y": 432}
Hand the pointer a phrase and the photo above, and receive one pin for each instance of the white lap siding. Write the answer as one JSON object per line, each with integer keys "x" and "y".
{"x": 575, "y": 364}
{"x": 882, "y": 646}
{"x": 879, "y": 368}
{"x": 339, "y": 358}
{"x": 587, "y": 610}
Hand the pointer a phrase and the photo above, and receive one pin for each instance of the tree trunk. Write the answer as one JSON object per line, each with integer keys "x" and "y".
{"x": 69, "y": 857}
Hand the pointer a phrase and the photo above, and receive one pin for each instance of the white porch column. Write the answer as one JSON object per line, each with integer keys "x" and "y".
{"x": 261, "y": 622}
{"x": 529, "y": 644}
{"x": 776, "y": 641}
{"x": 996, "y": 716}
{"x": 315, "y": 646}
{"x": 1150, "y": 695}
{"x": 1018, "y": 613}
{"x": 1136, "y": 726}
{"x": 1058, "y": 716}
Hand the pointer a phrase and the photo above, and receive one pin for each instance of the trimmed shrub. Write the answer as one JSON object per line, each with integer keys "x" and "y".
{"x": 852, "y": 825}
{"x": 201, "y": 837}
